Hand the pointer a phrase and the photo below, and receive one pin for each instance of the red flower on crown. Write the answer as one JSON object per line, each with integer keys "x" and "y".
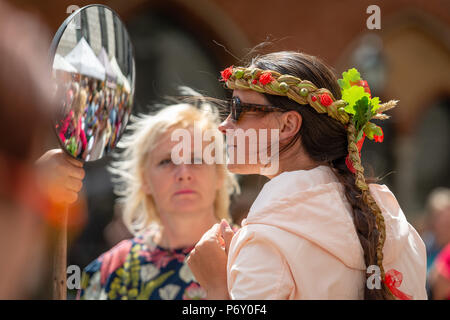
{"x": 266, "y": 78}
{"x": 325, "y": 100}
{"x": 226, "y": 73}
{"x": 379, "y": 138}
{"x": 362, "y": 83}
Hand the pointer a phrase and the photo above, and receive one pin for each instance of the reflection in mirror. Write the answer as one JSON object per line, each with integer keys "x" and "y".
{"x": 94, "y": 70}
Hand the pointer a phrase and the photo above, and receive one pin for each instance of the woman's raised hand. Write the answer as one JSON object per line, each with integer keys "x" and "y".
{"x": 208, "y": 261}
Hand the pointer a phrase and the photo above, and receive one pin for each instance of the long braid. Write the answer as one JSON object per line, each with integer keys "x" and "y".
{"x": 360, "y": 182}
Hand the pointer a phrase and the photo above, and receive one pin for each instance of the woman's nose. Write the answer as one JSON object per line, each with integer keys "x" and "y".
{"x": 226, "y": 124}
{"x": 183, "y": 172}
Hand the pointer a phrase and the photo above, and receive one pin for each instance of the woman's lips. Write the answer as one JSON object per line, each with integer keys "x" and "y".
{"x": 185, "y": 191}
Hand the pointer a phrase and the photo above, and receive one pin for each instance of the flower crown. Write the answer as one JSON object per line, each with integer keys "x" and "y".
{"x": 356, "y": 106}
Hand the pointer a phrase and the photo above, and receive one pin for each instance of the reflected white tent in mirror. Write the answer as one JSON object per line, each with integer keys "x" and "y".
{"x": 110, "y": 74}
{"x": 83, "y": 58}
{"x": 59, "y": 63}
{"x": 121, "y": 79}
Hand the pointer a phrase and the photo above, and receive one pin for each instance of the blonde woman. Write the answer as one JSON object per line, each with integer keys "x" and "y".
{"x": 167, "y": 207}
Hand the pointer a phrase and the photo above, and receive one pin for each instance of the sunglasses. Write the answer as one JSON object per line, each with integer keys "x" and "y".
{"x": 236, "y": 107}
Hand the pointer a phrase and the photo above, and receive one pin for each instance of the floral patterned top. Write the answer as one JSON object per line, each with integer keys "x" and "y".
{"x": 140, "y": 269}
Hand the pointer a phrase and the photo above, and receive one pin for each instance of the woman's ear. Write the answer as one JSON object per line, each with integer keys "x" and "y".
{"x": 146, "y": 188}
{"x": 146, "y": 185}
{"x": 291, "y": 123}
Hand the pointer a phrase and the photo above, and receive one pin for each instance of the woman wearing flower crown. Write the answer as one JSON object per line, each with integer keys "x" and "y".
{"x": 317, "y": 230}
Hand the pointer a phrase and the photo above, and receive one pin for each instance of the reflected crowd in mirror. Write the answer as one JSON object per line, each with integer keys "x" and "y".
{"x": 94, "y": 72}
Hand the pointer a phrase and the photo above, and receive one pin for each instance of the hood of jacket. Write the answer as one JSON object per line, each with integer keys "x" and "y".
{"x": 312, "y": 205}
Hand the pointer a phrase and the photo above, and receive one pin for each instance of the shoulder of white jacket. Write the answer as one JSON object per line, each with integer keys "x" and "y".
{"x": 398, "y": 229}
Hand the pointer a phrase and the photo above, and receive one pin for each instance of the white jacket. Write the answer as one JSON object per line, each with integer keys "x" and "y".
{"x": 299, "y": 242}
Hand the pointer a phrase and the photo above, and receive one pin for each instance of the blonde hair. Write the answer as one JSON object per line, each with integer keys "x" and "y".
{"x": 139, "y": 209}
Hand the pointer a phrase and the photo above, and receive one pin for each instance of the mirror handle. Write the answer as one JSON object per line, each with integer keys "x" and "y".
{"x": 60, "y": 259}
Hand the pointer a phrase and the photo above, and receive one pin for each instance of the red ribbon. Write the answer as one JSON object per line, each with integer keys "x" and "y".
{"x": 348, "y": 162}
{"x": 393, "y": 280}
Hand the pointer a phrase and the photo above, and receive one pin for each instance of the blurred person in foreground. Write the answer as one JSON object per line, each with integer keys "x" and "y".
{"x": 26, "y": 107}
{"x": 437, "y": 234}
{"x": 439, "y": 276}
{"x": 166, "y": 206}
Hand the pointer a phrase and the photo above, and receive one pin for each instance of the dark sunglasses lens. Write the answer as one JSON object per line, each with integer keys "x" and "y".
{"x": 233, "y": 109}
{"x": 236, "y": 108}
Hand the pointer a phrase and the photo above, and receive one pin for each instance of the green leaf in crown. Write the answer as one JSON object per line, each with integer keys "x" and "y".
{"x": 360, "y": 103}
{"x": 352, "y": 95}
{"x": 350, "y": 76}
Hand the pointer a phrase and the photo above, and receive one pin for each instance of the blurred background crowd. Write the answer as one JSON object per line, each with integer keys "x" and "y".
{"x": 187, "y": 42}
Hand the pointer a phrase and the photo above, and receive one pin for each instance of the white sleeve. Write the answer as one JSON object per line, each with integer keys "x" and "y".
{"x": 257, "y": 271}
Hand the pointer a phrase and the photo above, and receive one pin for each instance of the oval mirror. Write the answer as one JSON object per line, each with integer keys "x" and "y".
{"x": 93, "y": 65}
